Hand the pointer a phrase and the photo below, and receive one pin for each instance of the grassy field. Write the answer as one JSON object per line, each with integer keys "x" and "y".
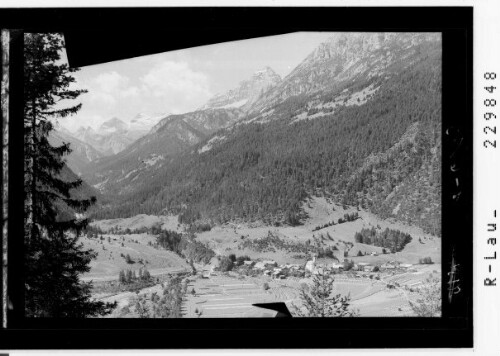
{"x": 109, "y": 259}
{"x": 232, "y": 295}
{"x": 227, "y": 239}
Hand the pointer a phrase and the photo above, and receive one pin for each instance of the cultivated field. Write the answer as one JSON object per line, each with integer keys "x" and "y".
{"x": 227, "y": 239}
{"x": 231, "y": 294}
{"x": 109, "y": 259}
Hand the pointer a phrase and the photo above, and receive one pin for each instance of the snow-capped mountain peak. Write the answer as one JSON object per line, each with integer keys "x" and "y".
{"x": 144, "y": 122}
{"x": 113, "y": 125}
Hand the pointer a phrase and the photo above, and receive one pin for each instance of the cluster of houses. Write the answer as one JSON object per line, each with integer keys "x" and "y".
{"x": 273, "y": 269}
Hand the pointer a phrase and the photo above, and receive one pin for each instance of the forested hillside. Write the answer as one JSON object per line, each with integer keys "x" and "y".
{"x": 120, "y": 173}
{"x": 381, "y": 153}
{"x": 81, "y": 153}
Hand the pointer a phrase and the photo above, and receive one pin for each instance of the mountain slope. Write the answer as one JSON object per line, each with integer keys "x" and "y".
{"x": 82, "y": 153}
{"x": 109, "y": 139}
{"x": 118, "y": 174}
{"x": 142, "y": 123}
{"x": 247, "y": 92}
{"x": 347, "y": 58}
{"x": 365, "y": 134}
{"x": 114, "y": 135}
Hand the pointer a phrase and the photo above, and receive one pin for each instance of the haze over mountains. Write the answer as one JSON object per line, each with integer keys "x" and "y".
{"x": 112, "y": 137}
{"x": 358, "y": 120}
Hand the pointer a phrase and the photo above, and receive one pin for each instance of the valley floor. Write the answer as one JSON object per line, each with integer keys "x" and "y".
{"x": 231, "y": 294}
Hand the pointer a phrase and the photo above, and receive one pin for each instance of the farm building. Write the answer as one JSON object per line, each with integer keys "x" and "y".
{"x": 388, "y": 266}
{"x": 264, "y": 264}
{"x": 270, "y": 263}
{"x": 361, "y": 266}
{"x": 259, "y": 265}
{"x": 310, "y": 265}
{"x": 319, "y": 270}
{"x": 337, "y": 266}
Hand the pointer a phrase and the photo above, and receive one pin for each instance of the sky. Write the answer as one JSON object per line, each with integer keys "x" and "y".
{"x": 181, "y": 81}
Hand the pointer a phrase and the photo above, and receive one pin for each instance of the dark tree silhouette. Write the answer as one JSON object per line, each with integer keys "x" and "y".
{"x": 54, "y": 259}
{"x": 319, "y": 300}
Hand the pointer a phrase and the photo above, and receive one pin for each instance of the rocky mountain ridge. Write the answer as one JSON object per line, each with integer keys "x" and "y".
{"x": 314, "y": 133}
{"x": 247, "y": 92}
{"x": 114, "y": 135}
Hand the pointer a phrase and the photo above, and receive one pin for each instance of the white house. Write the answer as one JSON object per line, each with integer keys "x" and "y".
{"x": 368, "y": 268}
{"x": 270, "y": 263}
{"x": 259, "y": 265}
{"x": 310, "y": 265}
{"x": 337, "y": 266}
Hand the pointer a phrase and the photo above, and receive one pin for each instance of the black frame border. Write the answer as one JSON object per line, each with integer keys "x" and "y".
{"x": 129, "y": 31}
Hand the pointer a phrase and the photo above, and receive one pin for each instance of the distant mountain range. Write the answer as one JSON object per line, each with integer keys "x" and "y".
{"x": 358, "y": 120}
{"x": 112, "y": 137}
{"x": 168, "y": 138}
{"x": 82, "y": 153}
{"x": 115, "y": 135}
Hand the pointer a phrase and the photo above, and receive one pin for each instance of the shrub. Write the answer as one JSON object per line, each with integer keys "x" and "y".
{"x": 265, "y": 286}
{"x": 426, "y": 261}
{"x": 348, "y": 265}
{"x": 429, "y": 302}
{"x": 128, "y": 259}
{"x": 320, "y": 302}
{"x": 226, "y": 264}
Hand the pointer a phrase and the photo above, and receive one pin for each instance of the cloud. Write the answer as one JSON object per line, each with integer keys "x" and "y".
{"x": 72, "y": 123}
{"x": 110, "y": 82}
{"x": 108, "y": 88}
{"x": 130, "y": 92}
{"x": 96, "y": 97}
{"x": 161, "y": 86}
{"x": 180, "y": 87}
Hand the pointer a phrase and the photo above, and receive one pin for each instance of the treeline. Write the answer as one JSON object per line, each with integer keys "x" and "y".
{"x": 394, "y": 240}
{"x": 168, "y": 305}
{"x": 347, "y": 218}
{"x": 129, "y": 276}
{"x": 185, "y": 246}
{"x": 94, "y": 230}
{"x": 227, "y": 263}
{"x": 273, "y": 243}
{"x": 265, "y": 171}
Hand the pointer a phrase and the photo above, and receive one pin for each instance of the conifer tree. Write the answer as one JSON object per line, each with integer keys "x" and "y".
{"x": 121, "y": 277}
{"x": 54, "y": 259}
{"x": 319, "y": 301}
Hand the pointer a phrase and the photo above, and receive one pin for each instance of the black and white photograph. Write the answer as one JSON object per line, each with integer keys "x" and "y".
{"x": 302, "y": 169}
{"x": 211, "y": 171}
